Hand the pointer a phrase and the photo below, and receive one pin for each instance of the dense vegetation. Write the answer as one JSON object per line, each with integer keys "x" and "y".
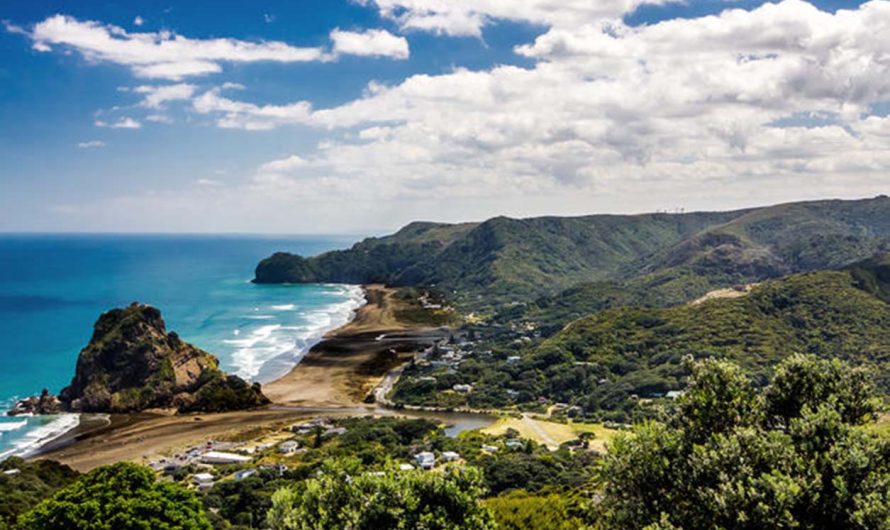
{"x": 605, "y": 361}
{"x": 729, "y": 455}
{"x": 24, "y": 484}
{"x": 375, "y": 445}
{"x": 344, "y": 498}
{"x": 117, "y": 497}
{"x": 676, "y": 256}
{"x": 730, "y": 458}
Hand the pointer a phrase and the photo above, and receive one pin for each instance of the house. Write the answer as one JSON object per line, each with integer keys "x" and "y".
{"x": 12, "y": 472}
{"x": 244, "y": 473}
{"x": 463, "y": 389}
{"x": 406, "y": 467}
{"x": 277, "y": 468}
{"x": 204, "y": 481}
{"x": 514, "y": 444}
{"x": 450, "y": 456}
{"x": 425, "y": 460}
{"x": 218, "y": 457}
{"x": 513, "y": 359}
{"x": 289, "y": 447}
{"x": 489, "y": 449}
{"x": 674, "y": 394}
{"x": 335, "y": 431}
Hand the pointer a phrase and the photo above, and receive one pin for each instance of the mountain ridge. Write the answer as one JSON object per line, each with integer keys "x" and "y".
{"x": 686, "y": 254}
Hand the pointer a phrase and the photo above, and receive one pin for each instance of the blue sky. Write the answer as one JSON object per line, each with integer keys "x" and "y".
{"x": 423, "y": 111}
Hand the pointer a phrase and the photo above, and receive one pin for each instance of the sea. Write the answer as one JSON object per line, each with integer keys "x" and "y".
{"x": 54, "y": 287}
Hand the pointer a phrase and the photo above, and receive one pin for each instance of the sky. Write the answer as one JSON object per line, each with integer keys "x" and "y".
{"x": 358, "y": 116}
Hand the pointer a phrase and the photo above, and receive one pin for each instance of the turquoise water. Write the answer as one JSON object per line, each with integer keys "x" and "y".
{"x": 52, "y": 289}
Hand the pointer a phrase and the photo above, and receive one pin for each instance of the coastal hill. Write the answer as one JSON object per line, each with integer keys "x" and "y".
{"x": 604, "y": 361}
{"x": 841, "y": 314}
{"x": 677, "y": 256}
{"x": 133, "y": 364}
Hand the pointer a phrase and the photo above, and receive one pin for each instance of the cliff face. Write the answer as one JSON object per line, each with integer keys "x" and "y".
{"x": 133, "y": 364}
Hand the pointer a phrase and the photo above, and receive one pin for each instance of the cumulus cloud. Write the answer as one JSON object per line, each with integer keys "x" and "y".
{"x": 240, "y": 115}
{"x": 466, "y": 19}
{"x": 122, "y": 123}
{"x": 283, "y": 165}
{"x": 157, "y": 95}
{"x": 680, "y": 106}
{"x": 372, "y": 42}
{"x": 92, "y": 144}
{"x": 746, "y": 107}
{"x": 138, "y": 21}
{"x": 163, "y": 54}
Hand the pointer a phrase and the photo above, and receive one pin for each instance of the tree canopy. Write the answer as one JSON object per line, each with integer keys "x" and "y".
{"x": 792, "y": 456}
{"x": 342, "y": 498}
{"x": 118, "y": 497}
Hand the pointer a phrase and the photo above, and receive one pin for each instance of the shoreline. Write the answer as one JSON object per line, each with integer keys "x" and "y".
{"x": 344, "y": 367}
{"x": 290, "y": 362}
{"x": 332, "y": 378}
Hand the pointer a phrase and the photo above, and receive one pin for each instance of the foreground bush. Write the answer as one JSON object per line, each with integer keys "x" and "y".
{"x": 119, "y": 497}
{"x": 793, "y": 456}
{"x": 413, "y": 500}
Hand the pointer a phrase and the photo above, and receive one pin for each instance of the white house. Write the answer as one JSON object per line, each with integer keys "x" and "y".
{"x": 406, "y": 467}
{"x": 204, "y": 481}
{"x": 425, "y": 460}
{"x": 513, "y": 359}
{"x": 463, "y": 389}
{"x": 218, "y": 457}
{"x": 244, "y": 473}
{"x": 514, "y": 444}
{"x": 288, "y": 447}
{"x": 450, "y": 456}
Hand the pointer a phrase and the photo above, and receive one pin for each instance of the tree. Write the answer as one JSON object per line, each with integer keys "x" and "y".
{"x": 340, "y": 498}
{"x": 122, "y": 496}
{"x": 794, "y": 456}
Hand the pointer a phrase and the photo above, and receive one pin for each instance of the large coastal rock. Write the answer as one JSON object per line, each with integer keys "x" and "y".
{"x": 132, "y": 364}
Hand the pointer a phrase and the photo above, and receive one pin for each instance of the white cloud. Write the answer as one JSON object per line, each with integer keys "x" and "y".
{"x": 138, "y": 21}
{"x": 123, "y": 123}
{"x": 91, "y": 144}
{"x": 283, "y": 165}
{"x": 748, "y": 107}
{"x": 163, "y": 54}
{"x": 248, "y": 116}
{"x": 679, "y": 111}
{"x": 159, "y": 118}
{"x": 208, "y": 182}
{"x": 372, "y": 42}
{"x": 157, "y": 95}
{"x": 467, "y": 18}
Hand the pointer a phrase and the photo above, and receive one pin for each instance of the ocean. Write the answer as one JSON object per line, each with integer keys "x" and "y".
{"x": 54, "y": 287}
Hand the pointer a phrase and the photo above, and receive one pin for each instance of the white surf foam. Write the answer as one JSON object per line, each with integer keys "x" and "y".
{"x": 269, "y": 352}
{"x": 45, "y": 430}
{"x": 9, "y": 426}
{"x": 284, "y": 307}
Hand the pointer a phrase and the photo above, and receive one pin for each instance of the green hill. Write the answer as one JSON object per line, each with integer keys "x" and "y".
{"x": 621, "y": 352}
{"x": 608, "y": 361}
{"x": 675, "y": 256}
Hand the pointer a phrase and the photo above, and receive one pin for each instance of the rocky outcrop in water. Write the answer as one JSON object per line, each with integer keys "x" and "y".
{"x": 45, "y": 403}
{"x": 133, "y": 364}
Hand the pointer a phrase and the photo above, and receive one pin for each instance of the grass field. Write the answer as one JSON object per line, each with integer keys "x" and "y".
{"x": 551, "y": 433}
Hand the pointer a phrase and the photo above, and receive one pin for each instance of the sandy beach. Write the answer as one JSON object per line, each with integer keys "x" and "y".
{"x": 334, "y": 378}
{"x": 344, "y": 368}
